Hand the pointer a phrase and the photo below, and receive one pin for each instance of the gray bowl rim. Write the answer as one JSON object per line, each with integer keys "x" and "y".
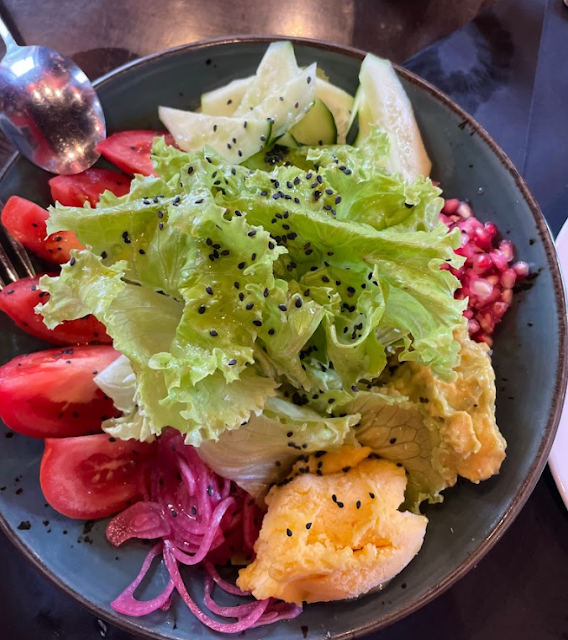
{"x": 561, "y": 378}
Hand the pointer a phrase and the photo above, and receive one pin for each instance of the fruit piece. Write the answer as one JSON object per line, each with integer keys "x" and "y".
{"x": 19, "y": 300}
{"x": 225, "y": 100}
{"x": 236, "y": 139}
{"x": 389, "y": 108}
{"x": 74, "y": 191}
{"x": 130, "y": 150}
{"x": 93, "y": 476}
{"x": 52, "y": 393}
{"x": 317, "y": 127}
{"x": 339, "y": 102}
{"x": 335, "y": 536}
{"x": 26, "y": 221}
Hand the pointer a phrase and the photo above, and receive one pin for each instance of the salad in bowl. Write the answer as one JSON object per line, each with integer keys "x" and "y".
{"x": 275, "y": 342}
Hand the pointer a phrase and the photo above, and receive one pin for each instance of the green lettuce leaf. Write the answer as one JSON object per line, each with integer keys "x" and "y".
{"x": 394, "y": 428}
{"x": 263, "y": 451}
{"x": 221, "y": 283}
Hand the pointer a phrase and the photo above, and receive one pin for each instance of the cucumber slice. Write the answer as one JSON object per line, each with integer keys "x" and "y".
{"x": 236, "y": 139}
{"x": 288, "y": 140}
{"x": 276, "y": 69}
{"x": 386, "y": 104}
{"x": 317, "y": 127}
{"x": 340, "y": 103}
{"x": 225, "y": 100}
{"x": 287, "y": 104}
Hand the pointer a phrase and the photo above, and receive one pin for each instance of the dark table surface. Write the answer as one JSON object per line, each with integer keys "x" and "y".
{"x": 508, "y": 68}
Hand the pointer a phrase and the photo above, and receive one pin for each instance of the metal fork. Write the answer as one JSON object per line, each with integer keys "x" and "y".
{"x": 14, "y": 258}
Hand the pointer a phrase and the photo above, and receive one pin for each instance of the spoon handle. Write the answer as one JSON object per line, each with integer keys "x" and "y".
{"x": 7, "y": 36}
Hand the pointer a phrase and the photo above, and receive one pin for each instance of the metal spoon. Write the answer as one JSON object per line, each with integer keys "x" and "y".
{"x": 48, "y": 108}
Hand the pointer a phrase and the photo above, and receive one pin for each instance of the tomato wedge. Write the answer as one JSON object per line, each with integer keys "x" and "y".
{"x": 93, "y": 476}
{"x": 26, "y": 222}
{"x": 52, "y": 394}
{"x": 88, "y": 186}
{"x": 19, "y": 299}
{"x": 130, "y": 150}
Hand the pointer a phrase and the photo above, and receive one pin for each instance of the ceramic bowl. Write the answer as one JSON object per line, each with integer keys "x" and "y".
{"x": 529, "y": 359}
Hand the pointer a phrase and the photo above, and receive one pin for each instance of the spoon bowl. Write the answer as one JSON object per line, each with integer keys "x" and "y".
{"x": 49, "y": 109}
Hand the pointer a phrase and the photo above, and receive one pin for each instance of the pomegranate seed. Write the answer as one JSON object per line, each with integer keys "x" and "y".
{"x": 507, "y": 249}
{"x": 499, "y": 309}
{"x": 485, "y": 338}
{"x": 481, "y": 288}
{"x": 499, "y": 260}
{"x": 468, "y": 313}
{"x": 508, "y": 279}
{"x": 481, "y": 262}
{"x": 464, "y": 210}
{"x": 491, "y": 229}
{"x": 450, "y": 206}
{"x": 507, "y": 296}
{"x": 493, "y": 280}
{"x": 487, "y": 322}
{"x": 473, "y": 326}
{"x": 521, "y": 269}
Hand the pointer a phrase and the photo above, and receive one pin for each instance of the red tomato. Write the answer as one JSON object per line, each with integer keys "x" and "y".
{"x": 74, "y": 191}
{"x": 93, "y": 476}
{"x": 130, "y": 150}
{"x": 18, "y": 300}
{"x": 52, "y": 393}
{"x": 26, "y": 222}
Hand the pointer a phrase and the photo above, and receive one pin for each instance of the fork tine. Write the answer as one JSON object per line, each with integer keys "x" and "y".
{"x": 22, "y": 254}
{"x": 8, "y": 266}
{"x": 23, "y": 265}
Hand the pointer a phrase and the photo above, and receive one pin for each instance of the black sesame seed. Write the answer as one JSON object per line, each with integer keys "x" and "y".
{"x": 264, "y": 193}
{"x": 232, "y": 362}
{"x": 252, "y": 233}
{"x": 265, "y": 293}
{"x": 358, "y": 504}
{"x": 249, "y": 306}
{"x": 201, "y": 309}
{"x": 283, "y": 307}
{"x": 190, "y": 170}
{"x": 257, "y": 323}
{"x": 371, "y": 495}
{"x": 308, "y": 525}
{"x": 271, "y": 245}
{"x": 334, "y": 497}
{"x": 271, "y": 332}
{"x": 324, "y": 279}
{"x": 241, "y": 296}
{"x": 209, "y": 290}
{"x": 213, "y": 333}
{"x": 289, "y": 533}
{"x": 71, "y": 263}
{"x": 298, "y": 302}
{"x": 241, "y": 265}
